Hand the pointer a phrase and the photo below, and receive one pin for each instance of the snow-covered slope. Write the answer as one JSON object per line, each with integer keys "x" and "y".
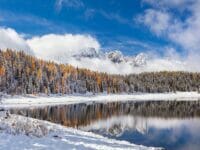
{"x": 140, "y": 60}
{"x": 18, "y": 133}
{"x": 115, "y": 56}
{"x": 89, "y": 53}
{"x": 111, "y": 62}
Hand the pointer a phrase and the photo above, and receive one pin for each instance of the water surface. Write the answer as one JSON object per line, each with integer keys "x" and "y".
{"x": 174, "y": 125}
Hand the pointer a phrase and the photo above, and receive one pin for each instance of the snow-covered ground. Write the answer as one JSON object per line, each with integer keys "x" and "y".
{"x": 18, "y": 133}
{"x": 26, "y": 101}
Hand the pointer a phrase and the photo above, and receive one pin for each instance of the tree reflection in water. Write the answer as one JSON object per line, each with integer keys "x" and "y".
{"x": 169, "y": 124}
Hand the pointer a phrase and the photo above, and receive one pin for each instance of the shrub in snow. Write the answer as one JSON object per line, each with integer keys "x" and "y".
{"x": 21, "y": 125}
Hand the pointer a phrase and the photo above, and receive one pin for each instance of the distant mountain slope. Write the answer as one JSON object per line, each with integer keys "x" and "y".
{"x": 24, "y": 74}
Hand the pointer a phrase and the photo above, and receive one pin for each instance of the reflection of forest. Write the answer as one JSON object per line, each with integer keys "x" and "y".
{"x": 83, "y": 114}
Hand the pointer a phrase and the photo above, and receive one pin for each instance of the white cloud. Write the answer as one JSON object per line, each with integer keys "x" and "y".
{"x": 53, "y": 46}
{"x": 114, "y": 16}
{"x": 103, "y": 65}
{"x": 9, "y": 38}
{"x": 187, "y": 33}
{"x": 184, "y": 32}
{"x": 13, "y": 17}
{"x": 89, "y": 13}
{"x": 157, "y": 21}
{"x": 181, "y": 31}
{"x": 68, "y": 3}
{"x": 166, "y": 4}
{"x": 62, "y": 48}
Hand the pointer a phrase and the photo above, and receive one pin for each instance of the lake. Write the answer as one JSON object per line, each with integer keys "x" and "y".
{"x": 173, "y": 125}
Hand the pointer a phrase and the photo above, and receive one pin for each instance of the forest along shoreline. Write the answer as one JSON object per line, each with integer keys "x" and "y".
{"x": 22, "y": 74}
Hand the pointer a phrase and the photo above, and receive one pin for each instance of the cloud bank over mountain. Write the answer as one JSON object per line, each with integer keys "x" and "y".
{"x": 85, "y": 51}
{"x": 52, "y": 46}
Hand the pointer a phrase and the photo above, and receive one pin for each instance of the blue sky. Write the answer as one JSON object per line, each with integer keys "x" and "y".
{"x": 113, "y": 23}
{"x": 166, "y": 31}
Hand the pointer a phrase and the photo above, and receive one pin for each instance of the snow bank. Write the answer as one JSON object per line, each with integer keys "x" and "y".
{"x": 13, "y": 124}
{"x": 18, "y": 132}
{"x": 27, "y": 101}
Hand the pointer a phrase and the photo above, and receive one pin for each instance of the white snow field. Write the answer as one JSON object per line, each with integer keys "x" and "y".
{"x": 20, "y": 133}
{"x": 27, "y": 101}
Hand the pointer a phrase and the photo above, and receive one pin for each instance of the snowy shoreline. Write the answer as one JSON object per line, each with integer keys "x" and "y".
{"x": 31, "y": 100}
{"x": 20, "y": 132}
{"x": 45, "y": 135}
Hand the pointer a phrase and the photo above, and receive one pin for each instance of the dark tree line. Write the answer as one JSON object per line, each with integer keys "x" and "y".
{"x": 24, "y": 74}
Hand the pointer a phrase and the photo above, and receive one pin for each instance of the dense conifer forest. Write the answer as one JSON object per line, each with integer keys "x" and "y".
{"x": 24, "y": 74}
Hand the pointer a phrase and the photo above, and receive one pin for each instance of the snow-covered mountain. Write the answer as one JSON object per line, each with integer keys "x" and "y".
{"x": 115, "y": 62}
{"x": 115, "y": 57}
{"x": 136, "y": 61}
{"x": 87, "y": 53}
{"x": 140, "y": 60}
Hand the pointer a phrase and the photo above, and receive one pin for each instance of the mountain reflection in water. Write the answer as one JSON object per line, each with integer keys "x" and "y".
{"x": 171, "y": 133}
{"x": 168, "y": 124}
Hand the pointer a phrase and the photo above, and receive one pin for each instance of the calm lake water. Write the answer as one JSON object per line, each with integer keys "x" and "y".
{"x": 173, "y": 125}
